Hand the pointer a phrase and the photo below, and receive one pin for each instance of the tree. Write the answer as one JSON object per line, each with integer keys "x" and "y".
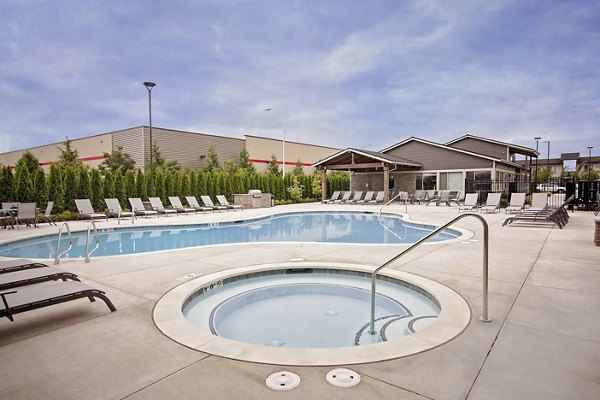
{"x": 108, "y": 185}
{"x": 130, "y": 188}
{"x": 298, "y": 170}
{"x": 273, "y": 167}
{"x": 140, "y": 183}
{"x": 160, "y": 162}
{"x": 213, "y": 164}
{"x": 96, "y": 182}
{"x": 69, "y": 189}
{"x": 7, "y": 185}
{"x": 159, "y": 184}
{"x": 244, "y": 162}
{"x": 55, "y": 188}
{"x": 119, "y": 182}
{"x": 31, "y": 161}
{"x": 543, "y": 174}
{"x": 68, "y": 157}
{"x": 84, "y": 188}
{"x": 229, "y": 167}
{"x": 23, "y": 184}
{"x": 40, "y": 191}
{"x": 117, "y": 159}
{"x": 316, "y": 184}
{"x": 295, "y": 190}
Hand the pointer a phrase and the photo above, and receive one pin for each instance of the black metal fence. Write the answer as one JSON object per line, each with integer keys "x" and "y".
{"x": 586, "y": 192}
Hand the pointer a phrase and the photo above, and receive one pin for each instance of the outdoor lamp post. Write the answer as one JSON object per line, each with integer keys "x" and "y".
{"x": 537, "y": 142}
{"x": 590, "y": 163}
{"x": 283, "y": 149}
{"x": 149, "y": 86}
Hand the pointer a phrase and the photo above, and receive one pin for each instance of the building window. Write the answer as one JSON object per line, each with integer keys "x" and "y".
{"x": 426, "y": 181}
{"x": 451, "y": 180}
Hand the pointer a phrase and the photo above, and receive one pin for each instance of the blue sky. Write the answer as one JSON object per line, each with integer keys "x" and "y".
{"x": 363, "y": 74}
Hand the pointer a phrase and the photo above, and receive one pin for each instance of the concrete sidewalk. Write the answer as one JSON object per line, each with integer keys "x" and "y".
{"x": 543, "y": 341}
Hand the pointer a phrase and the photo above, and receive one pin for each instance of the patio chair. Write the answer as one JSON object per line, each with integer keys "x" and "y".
{"x": 378, "y": 198}
{"x": 357, "y": 196}
{"x": 193, "y": 202}
{"x": 19, "y": 264}
{"x": 492, "y": 203}
{"x": 558, "y": 216}
{"x": 47, "y": 217}
{"x": 157, "y": 205}
{"x": 539, "y": 201}
{"x": 517, "y": 203}
{"x": 420, "y": 196}
{"x": 30, "y": 276}
{"x": 345, "y": 197}
{"x": 115, "y": 210}
{"x": 403, "y": 197}
{"x": 85, "y": 209}
{"x": 368, "y": 197}
{"x": 178, "y": 206}
{"x": 29, "y": 298}
{"x": 334, "y": 196}
{"x": 138, "y": 208}
{"x": 470, "y": 203}
{"x": 26, "y": 212}
{"x": 208, "y": 203}
{"x": 223, "y": 201}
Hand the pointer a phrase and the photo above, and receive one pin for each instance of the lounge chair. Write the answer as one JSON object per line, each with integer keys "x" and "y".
{"x": 157, "y": 205}
{"x": 47, "y": 217}
{"x": 176, "y": 204}
{"x": 539, "y": 202}
{"x": 517, "y": 203}
{"x": 115, "y": 210}
{"x": 345, "y": 197}
{"x": 29, "y": 298}
{"x": 208, "y": 203}
{"x": 368, "y": 197}
{"x": 420, "y": 196}
{"x": 558, "y": 216}
{"x": 30, "y": 276}
{"x": 357, "y": 196}
{"x": 19, "y": 264}
{"x": 193, "y": 202}
{"x": 470, "y": 203}
{"x": 378, "y": 198}
{"x": 84, "y": 206}
{"x": 223, "y": 201}
{"x": 138, "y": 208}
{"x": 334, "y": 196}
{"x": 492, "y": 203}
{"x": 26, "y": 212}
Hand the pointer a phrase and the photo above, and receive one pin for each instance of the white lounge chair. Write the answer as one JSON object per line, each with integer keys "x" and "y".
{"x": 193, "y": 202}
{"x": 208, "y": 202}
{"x": 357, "y": 197}
{"x": 223, "y": 201}
{"x": 470, "y": 203}
{"x": 378, "y": 198}
{"x": 115, "y": 210}
{"x": 138, "y": 208}
{"x": 176, "y": 204}
{"x": 157, "y": 205}
{"x": 368, "y": 197}
{"x": 539, "y": 201}
{"x": 345, "y": 197}
{"x": 334, "y": 196}
{"x": 492, "y": 203}
{"x": 85, "y": 209}
{"x": 517, "y": 203}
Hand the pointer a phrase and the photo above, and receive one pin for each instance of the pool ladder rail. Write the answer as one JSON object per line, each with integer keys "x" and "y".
{"x": 88, "y": 253}
{"x": 484, "y": 316}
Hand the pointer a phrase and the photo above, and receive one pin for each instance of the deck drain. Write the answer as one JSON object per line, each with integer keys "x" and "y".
{"x": 283, "y": 380}
{"x": 343, "y": 377}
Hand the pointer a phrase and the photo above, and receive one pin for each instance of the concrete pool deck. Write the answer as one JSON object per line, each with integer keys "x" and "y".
{"x": 543, "y": 341}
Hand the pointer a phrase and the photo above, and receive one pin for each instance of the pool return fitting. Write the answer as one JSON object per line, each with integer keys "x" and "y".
{"x": 484, "y": 315}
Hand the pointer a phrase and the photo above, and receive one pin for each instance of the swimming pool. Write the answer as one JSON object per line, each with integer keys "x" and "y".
{"x": 325, "y": 227}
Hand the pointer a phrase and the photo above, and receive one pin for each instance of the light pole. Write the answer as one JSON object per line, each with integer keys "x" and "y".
{"x": 149, "y": 86}
{"x": 537, "y": 142}
{"x": 590, "y": 163}
{"x": 283, "y": 149}
{"x": 548, "y": 158}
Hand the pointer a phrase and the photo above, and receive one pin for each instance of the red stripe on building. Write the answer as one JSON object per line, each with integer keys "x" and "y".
{"x": 279, "y": 162}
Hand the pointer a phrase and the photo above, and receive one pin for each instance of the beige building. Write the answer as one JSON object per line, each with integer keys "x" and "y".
{"x": 190, "y": 149}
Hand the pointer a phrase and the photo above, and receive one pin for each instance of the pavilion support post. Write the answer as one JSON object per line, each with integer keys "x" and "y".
{"x": 386, "y": 183}
{"x": 323, "y": 184}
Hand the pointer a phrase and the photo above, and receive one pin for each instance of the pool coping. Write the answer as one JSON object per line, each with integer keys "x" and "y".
{"x": 454, "y": 318}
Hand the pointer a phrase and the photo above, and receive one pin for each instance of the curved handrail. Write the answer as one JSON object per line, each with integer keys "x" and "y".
{"x": 484, "y": 316}
{"x": 58, "y": 256}
{"x": 392, "y": 199}
{"x": 88, "y": 253}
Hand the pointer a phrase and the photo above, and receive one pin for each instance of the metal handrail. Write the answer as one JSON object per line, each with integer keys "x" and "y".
{"x": 392, "y": 199}
{"x": 58, "y": 256}
{"x": 484, "y": 316}
{"x": 88, "y": 253}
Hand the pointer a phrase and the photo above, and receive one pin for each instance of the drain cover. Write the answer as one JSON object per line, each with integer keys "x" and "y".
{"x": 343, "y": 377}
{"x": 283, "y": 380}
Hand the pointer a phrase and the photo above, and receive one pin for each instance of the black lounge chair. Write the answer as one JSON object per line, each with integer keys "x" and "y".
{"x": 18, "y": 264}
{"x": 29, "y": 298}
{"x": 31, "y": 276}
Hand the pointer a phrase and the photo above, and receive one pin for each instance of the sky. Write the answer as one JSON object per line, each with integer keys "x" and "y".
{"x": 361, "y": 74}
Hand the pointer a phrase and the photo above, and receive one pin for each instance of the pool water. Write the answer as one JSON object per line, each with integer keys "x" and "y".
{"x": 326, "y": 227}
{"x": 309, "y": 311}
